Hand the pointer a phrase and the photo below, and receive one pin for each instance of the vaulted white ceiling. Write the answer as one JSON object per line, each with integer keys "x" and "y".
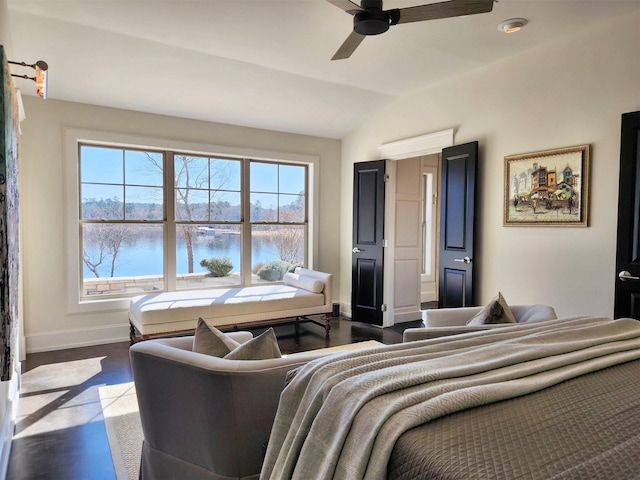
{"x": 266, "y": 63}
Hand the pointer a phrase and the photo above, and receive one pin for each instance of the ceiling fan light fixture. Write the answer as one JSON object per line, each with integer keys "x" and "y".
{"x": 512, "y": 25}
{"x": 371, "y": 22}
{"x": 370, "y": 18}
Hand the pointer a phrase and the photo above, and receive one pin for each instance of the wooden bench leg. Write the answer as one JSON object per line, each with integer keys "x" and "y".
{"x": 135, "y": 336}
{"x": 132, "y": 334}
{"x": 327, "y": 325}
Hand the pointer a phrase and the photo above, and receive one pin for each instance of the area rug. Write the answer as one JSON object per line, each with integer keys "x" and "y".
{"x": 124, "y": 431}
{"x": 122, "y": 420}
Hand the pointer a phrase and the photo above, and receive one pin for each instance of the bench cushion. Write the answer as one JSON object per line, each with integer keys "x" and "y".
{"x": 215, "y": 305}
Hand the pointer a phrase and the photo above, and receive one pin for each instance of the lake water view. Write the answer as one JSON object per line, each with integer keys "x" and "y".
{"x": 142, "y": 255}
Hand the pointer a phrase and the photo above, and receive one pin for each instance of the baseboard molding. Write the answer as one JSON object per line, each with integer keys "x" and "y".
{"x": 9, "y": 422}
{"x": 345, "y": 309}
{"x": 47, "y": 342}
{"x": 407, "y": 316}
{"x": 428, "y": 297}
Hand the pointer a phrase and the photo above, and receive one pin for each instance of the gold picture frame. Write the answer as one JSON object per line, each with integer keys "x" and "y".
{"x": 547, "y": 188}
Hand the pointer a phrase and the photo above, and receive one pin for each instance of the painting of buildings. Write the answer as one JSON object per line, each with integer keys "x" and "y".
{"x": 547, "y": 188}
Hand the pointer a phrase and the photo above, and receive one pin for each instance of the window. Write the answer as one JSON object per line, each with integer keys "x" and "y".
{"x": 429, "y": 214}
{"x": 277, "y": 199}
{"x": 162, "y": 219}
{"x": 207, "y": 190}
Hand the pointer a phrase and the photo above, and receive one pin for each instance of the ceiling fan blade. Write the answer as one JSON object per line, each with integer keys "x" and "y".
{"x": 349, "y": 46}
{"x": 347, "y": 6}
{"x": 452, "y": 8}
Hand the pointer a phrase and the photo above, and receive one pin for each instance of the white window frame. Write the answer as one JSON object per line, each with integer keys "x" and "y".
{"x": 429, "y": 238}
{"x": 74, "y": 136}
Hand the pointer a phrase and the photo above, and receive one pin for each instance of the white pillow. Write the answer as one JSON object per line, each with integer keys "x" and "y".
{"x": 304, "y": 282}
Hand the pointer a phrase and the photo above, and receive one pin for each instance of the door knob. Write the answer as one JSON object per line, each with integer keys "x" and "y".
{"x": 356, "y": 250}
{"x": 466, "y": 260}
{"x": 624, "y": 275}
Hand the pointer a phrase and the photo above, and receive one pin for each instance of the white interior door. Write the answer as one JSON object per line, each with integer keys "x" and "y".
{"x": 413, "y": 239}
{"x": 407, "y": 245}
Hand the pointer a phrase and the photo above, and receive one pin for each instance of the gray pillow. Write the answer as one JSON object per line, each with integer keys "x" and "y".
{"x": 262, "y": 347}
{"x": 496, "y": 311}
{"x": 211, "y": 341}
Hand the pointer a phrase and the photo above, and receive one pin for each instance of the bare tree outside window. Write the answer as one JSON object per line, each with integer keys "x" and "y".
{"x": 289, "y": 242}
{"x": 202, "y": 184}
{"x": 289, "y": 239}
{"x": 102, "y": 243}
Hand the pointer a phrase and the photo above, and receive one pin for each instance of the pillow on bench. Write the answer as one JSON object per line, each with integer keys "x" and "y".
{"x": 304, "y": 282}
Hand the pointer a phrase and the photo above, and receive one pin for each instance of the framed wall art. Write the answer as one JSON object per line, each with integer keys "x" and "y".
{"x": 9, "y": 228}
{"x": 547, "y": 188}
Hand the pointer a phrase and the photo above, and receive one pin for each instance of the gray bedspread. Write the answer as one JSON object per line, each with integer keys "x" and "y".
{"x": 341, "y": 417}
{"x": 585, "y": 428}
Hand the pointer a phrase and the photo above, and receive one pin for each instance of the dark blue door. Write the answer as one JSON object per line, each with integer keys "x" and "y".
{"x": 627, "y": 296}
{"x": 368, "y": 242}
{"x": 457, "y": 225}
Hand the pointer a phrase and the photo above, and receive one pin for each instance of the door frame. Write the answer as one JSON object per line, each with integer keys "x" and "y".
{"x": 428, "y": 144}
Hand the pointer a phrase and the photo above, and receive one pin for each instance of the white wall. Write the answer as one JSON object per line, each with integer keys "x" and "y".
{"x": 569, "y": 93}
{"x": 48, "y": 325}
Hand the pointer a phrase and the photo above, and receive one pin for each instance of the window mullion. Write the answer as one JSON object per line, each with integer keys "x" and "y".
{"x": 124, "y": 187}
{"x": 169, "y": 223}
{"x": 245, "y": 227}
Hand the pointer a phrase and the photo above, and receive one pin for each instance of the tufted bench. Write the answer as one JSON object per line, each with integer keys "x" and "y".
{"x": 301, "y": 293}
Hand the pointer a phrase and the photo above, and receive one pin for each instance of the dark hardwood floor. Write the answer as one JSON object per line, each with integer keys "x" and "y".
{"x": 60, "y": 432}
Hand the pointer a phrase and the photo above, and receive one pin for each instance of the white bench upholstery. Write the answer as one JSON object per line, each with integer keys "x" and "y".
{"x": 308, "y": 292}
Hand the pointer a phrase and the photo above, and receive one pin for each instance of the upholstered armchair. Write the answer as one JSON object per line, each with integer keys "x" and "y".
{"x": 453, "y": 321}
{"x": 205, "y": 417}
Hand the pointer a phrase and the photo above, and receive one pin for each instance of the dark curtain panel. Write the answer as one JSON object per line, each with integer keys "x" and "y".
{"x": 9, "y": 290}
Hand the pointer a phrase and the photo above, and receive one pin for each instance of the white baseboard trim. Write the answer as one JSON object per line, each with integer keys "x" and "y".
{"x": 428, "y": 297}
{"x": 9, "y": 422}
{"x": 47, "y": 342}
{"x": 345, "y": 309}
{"x": 407, "y": 317}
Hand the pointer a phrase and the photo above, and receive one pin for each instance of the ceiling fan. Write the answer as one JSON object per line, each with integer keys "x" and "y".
{"x": 370, "y": 19}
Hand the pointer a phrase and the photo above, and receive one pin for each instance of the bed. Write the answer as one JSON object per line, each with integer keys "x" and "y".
{"x": 556, "y": 399}
{"x": 301, "y": 294}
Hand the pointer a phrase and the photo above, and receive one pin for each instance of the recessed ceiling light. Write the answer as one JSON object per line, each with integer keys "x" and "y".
{"x": 512, "y": 25}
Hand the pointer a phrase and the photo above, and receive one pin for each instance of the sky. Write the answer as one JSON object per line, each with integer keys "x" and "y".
{"x": 113, "y": 173}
